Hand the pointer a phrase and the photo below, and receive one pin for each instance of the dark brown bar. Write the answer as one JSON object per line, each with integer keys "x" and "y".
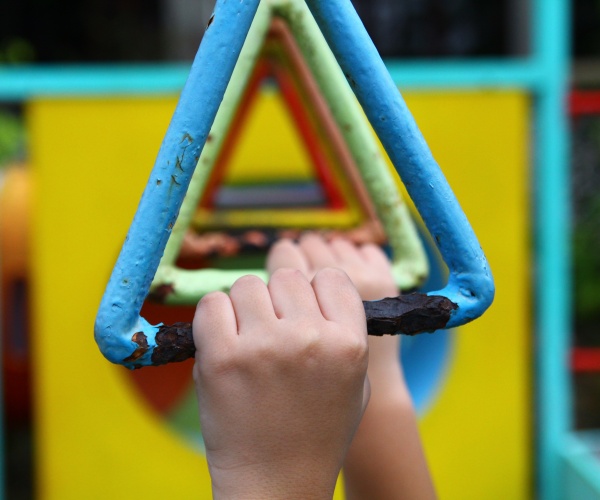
{"x": 407, "y": 314}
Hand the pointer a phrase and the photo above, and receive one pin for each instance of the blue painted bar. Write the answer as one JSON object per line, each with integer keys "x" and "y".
{"x": 18, "y": 83}
{"x": 552, "y": 218}
{"x": 470, "y": 283}
{"x": 118, "y": 321}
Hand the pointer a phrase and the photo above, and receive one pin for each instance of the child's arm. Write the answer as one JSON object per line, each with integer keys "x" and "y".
{"x": 386, "y": 459}
{"x": 280, "y": 374}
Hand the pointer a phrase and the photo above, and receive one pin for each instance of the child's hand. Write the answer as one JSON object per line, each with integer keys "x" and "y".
{"x": 367, "y": 266}
{"x": 280, "y": 374}
{"x": 370, "y": 271}
{"x": 385, "y": 460}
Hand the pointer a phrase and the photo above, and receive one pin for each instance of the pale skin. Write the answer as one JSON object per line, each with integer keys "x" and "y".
{"x": 386, "y": 459}
{"x": 281, "y": 379}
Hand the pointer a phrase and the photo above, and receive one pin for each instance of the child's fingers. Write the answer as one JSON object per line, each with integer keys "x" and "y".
{"x": 214, "y": 327}
{"x": 285, "y": 253}
{"x": 374, "y": 256}
{"x": 348, "y": 255}
{"x": 292, "y": 295}
{"x": 251, "y": 302}
{"x": 338, "y": 299}
{"x": 318, "y": 253}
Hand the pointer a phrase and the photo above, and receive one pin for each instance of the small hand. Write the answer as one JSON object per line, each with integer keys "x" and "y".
{"x": 386, "y": 459}
{"x": 366, "y": 265}
{"x": 280, "y": 374}
{"x": 370, "y": 271}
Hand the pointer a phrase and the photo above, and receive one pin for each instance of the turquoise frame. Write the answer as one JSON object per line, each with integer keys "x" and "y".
{"x": 544, "y": 74}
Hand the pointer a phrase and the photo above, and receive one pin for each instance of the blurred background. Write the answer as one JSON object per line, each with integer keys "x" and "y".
{"x": 523, "y": 75}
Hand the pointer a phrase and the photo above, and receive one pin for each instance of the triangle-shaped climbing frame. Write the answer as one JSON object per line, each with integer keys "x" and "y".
{"x": 337, "y": 35}
{"x": 345, "y": 201}
{"x": 182, "y": 286}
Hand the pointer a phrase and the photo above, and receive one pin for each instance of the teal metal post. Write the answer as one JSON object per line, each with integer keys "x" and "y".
{"x": 550, "y": 39}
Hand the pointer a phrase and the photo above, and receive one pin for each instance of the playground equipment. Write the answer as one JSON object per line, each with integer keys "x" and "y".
{"x": 127, "y": 338}
{"x": 476, "y": 115}
{"x": 454, "y": 372}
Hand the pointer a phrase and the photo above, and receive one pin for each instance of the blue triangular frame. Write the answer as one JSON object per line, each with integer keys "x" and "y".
{"x": 122, "y": 334}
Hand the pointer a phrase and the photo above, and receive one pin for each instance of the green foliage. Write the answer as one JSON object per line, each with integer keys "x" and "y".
{"x": 17, "y": 51}
{"x": 12, "y": 138}
{"x": 586, "y": 259}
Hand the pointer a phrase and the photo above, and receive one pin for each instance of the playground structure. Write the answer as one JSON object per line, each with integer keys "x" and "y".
{"x": 127, "y": 338}
{"x": 541, "y": 77}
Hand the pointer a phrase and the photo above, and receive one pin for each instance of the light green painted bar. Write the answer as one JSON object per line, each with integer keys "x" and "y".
{"x": 410, "y": 264}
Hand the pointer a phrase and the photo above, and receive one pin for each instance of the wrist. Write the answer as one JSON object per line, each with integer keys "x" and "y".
{"x": 273, "y": 481}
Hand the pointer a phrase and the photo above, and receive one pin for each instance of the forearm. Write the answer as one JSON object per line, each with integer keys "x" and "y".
{"x": 386, "y": 460}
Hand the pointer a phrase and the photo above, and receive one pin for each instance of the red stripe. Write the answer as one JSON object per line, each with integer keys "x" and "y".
{"x": 585, "y": 359}
{"x": 584, "y": 102}
{"x": 311, "y": 139}
{"x": 259, "y": 73}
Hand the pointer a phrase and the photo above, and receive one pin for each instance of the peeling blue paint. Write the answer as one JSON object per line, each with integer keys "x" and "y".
{"x": 160, "y": 203}
{"x": 401, "y": 138}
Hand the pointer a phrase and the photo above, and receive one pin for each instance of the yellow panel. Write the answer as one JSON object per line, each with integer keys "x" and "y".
{"x": 478, "y": 432}
{"x": 269, "y": 146}
{"x": 97, "y": 439}
{"x": 94, "y": 437}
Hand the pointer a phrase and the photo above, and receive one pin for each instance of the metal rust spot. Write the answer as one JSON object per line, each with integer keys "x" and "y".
{"x": 174, "y": 343}
{"x": 210, "y": 21}
{"x": 140, "y": 339}
{"x": 160, "y": 293}
{"x": 178, "y": 163}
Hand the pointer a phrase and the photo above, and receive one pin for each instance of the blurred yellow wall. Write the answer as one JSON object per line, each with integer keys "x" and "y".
{"x": 97, "y": 438}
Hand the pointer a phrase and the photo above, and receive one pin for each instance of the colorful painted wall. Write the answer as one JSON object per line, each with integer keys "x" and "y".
{"x": 100, "y": 434}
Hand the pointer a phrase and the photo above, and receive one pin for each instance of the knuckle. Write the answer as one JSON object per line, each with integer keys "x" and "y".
{"x": 248, "y": 279}
{"x": 246, "y": 282}
{"x": 287, "y": 274}
{"x": 213, "y": 299}
{"x": 282, "y": 244}
{"x": 354, "y": 349}
{"x": 342, "y": 243}
{"x": 310, "y": 236}
{"x": 332, "y": 274}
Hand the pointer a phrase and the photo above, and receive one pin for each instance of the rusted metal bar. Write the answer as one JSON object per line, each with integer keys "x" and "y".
{"x": 407, "y": 315}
